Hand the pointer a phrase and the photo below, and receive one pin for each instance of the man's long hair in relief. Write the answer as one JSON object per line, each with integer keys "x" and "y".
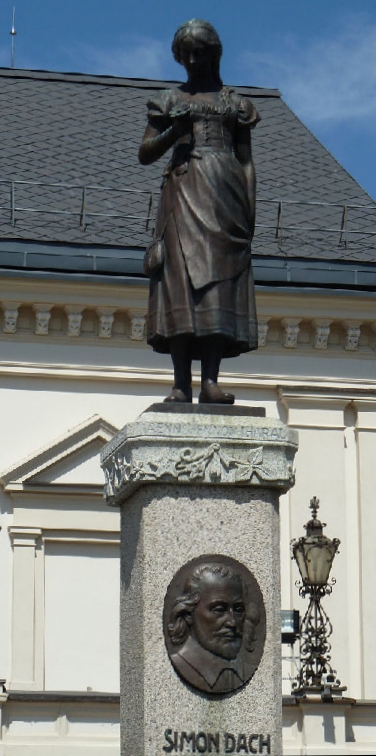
{"x": 178, "y": 628}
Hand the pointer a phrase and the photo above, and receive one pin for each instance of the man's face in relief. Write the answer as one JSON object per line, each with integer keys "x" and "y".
{"x": 217, "y": 620}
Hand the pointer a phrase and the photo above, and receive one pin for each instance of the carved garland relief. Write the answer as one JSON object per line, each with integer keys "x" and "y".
{"x": 210, "y": 465}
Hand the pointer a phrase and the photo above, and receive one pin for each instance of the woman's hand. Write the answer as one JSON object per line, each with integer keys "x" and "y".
{"x": 155, "y": 143}
{"x": 181, "y": 120}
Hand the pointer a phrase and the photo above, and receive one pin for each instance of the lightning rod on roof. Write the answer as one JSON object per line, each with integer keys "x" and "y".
{"x": 13, "y": 34}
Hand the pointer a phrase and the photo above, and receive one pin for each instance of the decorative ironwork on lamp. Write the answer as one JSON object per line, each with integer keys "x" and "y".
{"x": 314, "y": 554}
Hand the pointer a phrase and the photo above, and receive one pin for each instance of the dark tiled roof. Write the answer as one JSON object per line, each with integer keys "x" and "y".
{"x": 63, "y": 132}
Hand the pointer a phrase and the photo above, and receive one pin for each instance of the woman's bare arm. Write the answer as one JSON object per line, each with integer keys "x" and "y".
{"x": 155, "y": 143}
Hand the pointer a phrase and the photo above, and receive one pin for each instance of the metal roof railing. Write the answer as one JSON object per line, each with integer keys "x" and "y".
{"x": 343, "y": 229}
{"x": 145, "y": 199}
{"x": 82, "y": 213}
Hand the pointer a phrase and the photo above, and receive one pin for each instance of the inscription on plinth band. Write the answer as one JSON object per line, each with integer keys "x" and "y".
{"x": 218, "y": 742}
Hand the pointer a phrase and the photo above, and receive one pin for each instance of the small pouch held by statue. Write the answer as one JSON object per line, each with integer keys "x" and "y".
{"x": 154, "y": 257}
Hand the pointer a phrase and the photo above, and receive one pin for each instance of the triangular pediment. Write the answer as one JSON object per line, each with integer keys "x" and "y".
{"x": 70, "y": 461}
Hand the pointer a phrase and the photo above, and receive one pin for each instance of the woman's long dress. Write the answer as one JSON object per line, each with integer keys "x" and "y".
{"x": 206, "y": 284}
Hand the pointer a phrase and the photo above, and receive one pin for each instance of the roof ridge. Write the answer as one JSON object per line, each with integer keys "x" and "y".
{"x": 117, "y": 81}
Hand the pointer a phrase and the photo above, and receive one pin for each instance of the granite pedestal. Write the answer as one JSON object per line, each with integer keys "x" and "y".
{"x": 195, "y": 481}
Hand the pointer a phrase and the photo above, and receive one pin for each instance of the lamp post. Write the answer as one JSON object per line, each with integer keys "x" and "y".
{"x": 314, "y": 554}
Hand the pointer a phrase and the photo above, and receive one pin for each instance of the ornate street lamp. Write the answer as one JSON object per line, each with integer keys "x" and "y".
{"x": 314, "y": 554}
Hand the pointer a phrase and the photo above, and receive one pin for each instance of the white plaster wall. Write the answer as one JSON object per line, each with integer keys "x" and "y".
{"x": 49, "y": 408}
{"x": 82, "y": 589}
{"x": 60, "y": 729}
{"x": 367, "y": 464}
{"x": 6, "y": 563}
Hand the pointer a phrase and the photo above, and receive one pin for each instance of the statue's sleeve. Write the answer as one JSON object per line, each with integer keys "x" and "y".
{"x": 247, "y": 113}
{"x": 158, "y": 109}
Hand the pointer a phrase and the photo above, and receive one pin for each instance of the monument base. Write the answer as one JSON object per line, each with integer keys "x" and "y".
{"x": 204, "y": 487}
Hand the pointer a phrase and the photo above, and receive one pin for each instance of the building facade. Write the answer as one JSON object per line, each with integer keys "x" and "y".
{"x": 76, "y": 214}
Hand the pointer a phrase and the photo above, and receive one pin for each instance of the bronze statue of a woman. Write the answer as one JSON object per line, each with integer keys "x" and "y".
{"x": 201, "y": 302}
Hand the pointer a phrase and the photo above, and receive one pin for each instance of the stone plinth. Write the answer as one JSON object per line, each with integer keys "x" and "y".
{"x": 200, "y": 481}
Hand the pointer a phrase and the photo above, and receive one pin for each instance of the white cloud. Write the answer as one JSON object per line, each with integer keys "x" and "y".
{"x": 330, "y": 80}
{"x": 143, "y": 57}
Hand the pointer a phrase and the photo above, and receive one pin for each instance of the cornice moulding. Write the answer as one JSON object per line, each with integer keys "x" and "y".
{"x": 63, "y": 490}
{"x": 71, "y": 292}
{"x": 275, "y": 303}
{"x": 163, "y": 377}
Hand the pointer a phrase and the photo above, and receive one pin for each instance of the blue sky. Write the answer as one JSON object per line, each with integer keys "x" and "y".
{"x": 321, "y": 54}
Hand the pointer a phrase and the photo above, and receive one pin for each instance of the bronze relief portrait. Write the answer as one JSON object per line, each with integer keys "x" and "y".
{"x": 214, "y": 624}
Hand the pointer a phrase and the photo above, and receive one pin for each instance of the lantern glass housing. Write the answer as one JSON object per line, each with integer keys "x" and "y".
{"x": 314, "y": 556}
{"x": 314, "y": 553}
